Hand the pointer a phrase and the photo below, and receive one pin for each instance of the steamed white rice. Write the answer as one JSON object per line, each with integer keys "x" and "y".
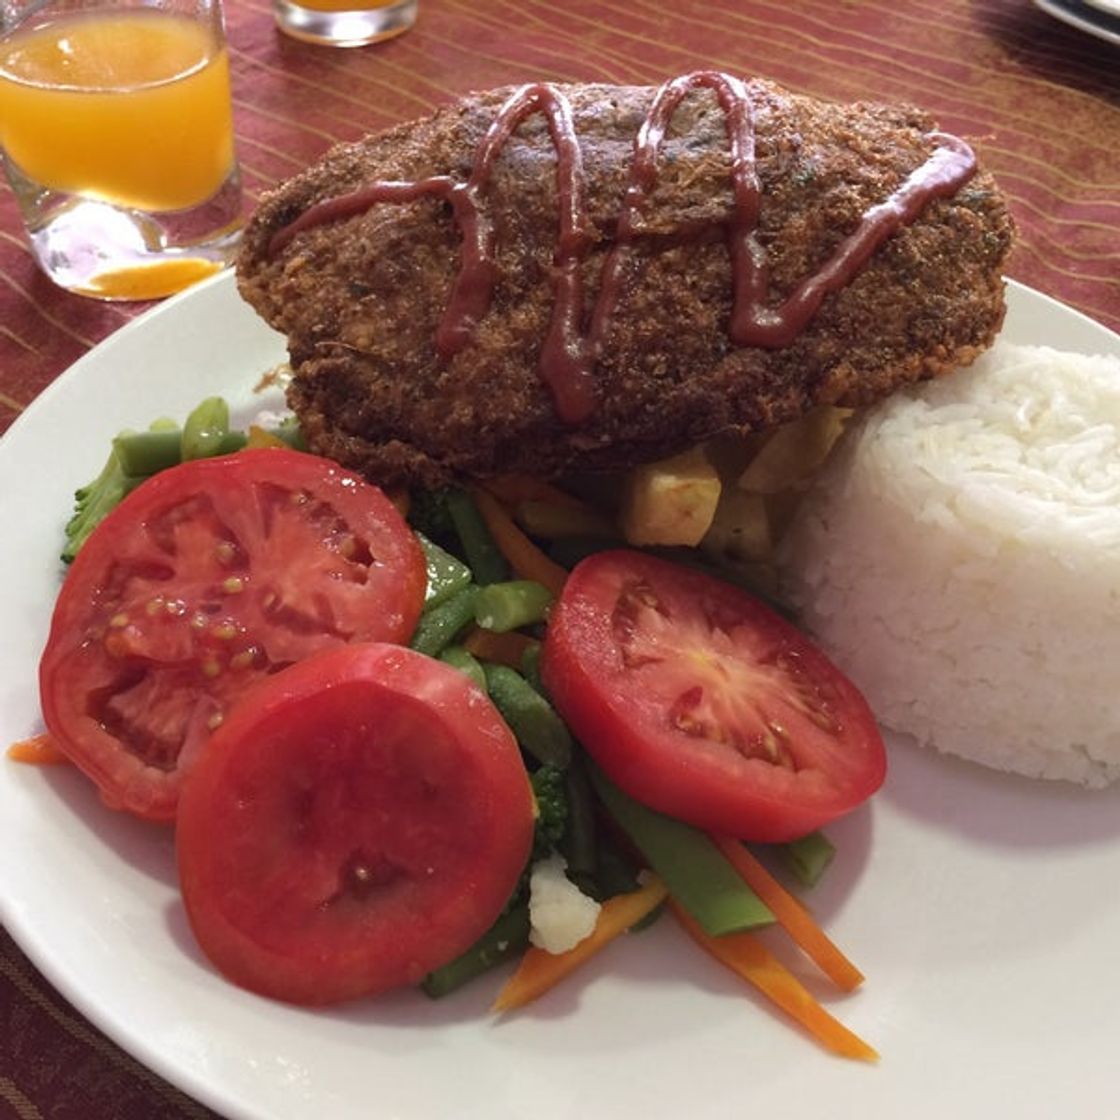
{"x": 959, "y": 558}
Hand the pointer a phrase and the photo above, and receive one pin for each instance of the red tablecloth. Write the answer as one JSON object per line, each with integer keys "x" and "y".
{"x": 1039, "y": 100}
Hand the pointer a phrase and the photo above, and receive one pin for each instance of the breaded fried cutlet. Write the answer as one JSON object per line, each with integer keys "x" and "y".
{"x": 559, "y": 277}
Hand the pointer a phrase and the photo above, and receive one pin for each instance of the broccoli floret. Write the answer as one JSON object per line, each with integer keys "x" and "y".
{"x": 551, "y": 794}
{"x": 550, "y": 790}
{"x": 291, "y": 433}
{"x": 93, "y": 501}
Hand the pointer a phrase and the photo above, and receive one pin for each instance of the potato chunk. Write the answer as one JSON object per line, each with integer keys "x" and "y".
{"x": 670, "y": 502}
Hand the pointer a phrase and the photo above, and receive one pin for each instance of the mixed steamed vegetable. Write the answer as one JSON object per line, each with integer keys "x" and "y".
{"x": 404, "y": 742}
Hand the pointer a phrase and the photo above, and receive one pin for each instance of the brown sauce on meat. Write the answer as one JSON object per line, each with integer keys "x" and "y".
{"x": 569, "y": 352}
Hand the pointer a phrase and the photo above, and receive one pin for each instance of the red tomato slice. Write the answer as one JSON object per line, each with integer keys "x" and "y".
{"x": 702, "y": 703}
{"x": 357, "y": 821}
{"x": 204, "y": 580}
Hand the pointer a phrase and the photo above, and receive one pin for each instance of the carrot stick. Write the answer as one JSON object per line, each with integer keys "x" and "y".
{"x": 527, "y": 561}
{"x": 513, "y": 489}
{"x": 792, "y": 915}
{"x": 747, "y": 957}
{"x": 539, "y": 971}
{"x": 504, "y": 648}
{"x": 261, "y": 437}
{"x": 39, "y": 750}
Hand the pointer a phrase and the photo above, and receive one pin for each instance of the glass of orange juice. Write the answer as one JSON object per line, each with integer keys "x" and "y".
{"x": 344, "y": 23}
{"x": 116, "y": 131}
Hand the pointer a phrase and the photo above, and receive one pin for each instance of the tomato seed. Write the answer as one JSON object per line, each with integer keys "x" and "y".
{"x": 824, "y": 719}
{"x": 360, "y": 875}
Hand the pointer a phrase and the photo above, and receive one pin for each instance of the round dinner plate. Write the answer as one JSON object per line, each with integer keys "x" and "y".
{"x": 983, "y": 908}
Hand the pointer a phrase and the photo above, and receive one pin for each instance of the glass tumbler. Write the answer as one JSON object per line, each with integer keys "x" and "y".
{"x": 116, "y": 130}
{"x": 344, "y": 23}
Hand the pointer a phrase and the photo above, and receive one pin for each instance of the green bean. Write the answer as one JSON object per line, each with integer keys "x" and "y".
{"x": 447, "y": 574}
{"x": 615, "y": 874}
{"x": 466, "y": 662}
{"x": 505, "y": 938}
{"x": 204, "y": 429}
{"x": 511, "y": 604}
{"x": 531, "y": 667}
{"x": 147, "y": 453}
{"x": 440, "y": 626}
{"x": 533, "y": 720}
{"x": 579, "y": 837}
{"x": 692, "y": 867}
{"x": 808, "y": 858}
{"x": 482, "y": 554}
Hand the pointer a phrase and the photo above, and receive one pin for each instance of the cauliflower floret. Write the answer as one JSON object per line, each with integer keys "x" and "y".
{"x": 560, "y": 914}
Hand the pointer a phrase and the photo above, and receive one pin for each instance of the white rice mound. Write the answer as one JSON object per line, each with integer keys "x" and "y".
{"x": 959, "y": 559}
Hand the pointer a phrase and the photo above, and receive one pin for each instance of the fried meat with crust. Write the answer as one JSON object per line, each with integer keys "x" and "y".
{"x": 360, "y": 298}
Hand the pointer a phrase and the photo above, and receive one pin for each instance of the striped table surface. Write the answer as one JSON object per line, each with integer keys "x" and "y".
{"x": 1039, "y": 100}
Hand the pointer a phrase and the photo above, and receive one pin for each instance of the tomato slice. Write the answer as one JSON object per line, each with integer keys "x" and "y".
{"x": 207, "y": 578}
{"x": 358, "y": 820}
{"x": 702, "y": 703}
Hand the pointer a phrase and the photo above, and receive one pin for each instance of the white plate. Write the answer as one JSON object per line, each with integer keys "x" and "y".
{"x": 1097, "y": 17}
{"x": 985, "y": 909}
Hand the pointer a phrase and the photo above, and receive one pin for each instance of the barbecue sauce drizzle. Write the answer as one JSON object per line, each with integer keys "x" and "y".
{"x": 568, "y": 354}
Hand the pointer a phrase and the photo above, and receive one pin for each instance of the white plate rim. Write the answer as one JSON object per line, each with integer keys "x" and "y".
{"x": 1110, "y": 7}
{"x": 1095, "y": 17}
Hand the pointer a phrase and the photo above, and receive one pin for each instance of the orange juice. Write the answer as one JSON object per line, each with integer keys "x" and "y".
{"x": 130, "y": 107}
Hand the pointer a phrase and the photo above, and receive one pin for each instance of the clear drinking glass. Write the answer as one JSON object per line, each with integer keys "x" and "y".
{"x": 116, "y": 130}
{"x": 345, "y": 23}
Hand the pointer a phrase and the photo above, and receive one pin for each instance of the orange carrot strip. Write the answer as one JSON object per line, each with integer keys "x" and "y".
{"x": 513, "y": 489}
{"x": 504, "y": 648}
{"x": 261, "y": 437}
{"x": 747, "y": 957}
{"x": 39, "y": 750}
{"x": 527, "y": 561}
{"x": 792, "y": 915}
{"x": 539, "y": 971}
